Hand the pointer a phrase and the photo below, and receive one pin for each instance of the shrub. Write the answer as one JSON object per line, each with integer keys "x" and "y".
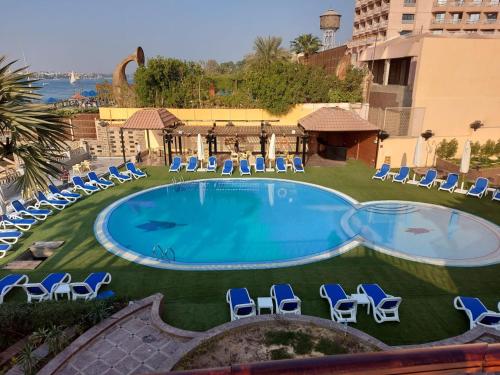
{"x": 301, "y": 342}
{"x": 329, "y": 347}
{"x": 475, "y": 149}
{"x": 488, "y": 149}
{"x": 280, "y": 353}
{"x": 497, "y": 148}
{"x": 447, "y": 150}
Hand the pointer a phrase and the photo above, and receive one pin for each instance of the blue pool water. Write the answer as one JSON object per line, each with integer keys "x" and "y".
{"x": 254, "y": 223}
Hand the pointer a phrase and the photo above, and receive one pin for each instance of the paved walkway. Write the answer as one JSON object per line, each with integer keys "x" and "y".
{"x": 132, "y": 343}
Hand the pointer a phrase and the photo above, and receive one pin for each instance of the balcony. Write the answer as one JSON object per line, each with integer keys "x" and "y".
{"x": 466, "y": 4}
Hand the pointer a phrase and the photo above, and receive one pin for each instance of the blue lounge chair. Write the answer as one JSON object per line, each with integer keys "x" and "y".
{"x": 227, "y": 168}
{"x": 280, "y": 165}
{"x": 382, "y": 173}
{"x": 10, "y": 237}
{"x": 240, "y": 303}
{"x": 176, "y": 164}
{"x": 477, "y": 313}
{"x": 79, "y": 184}
{"x": 479, "y": 187}
{"x": 31, "y": 211}
{"x": 116, "y": 174}
{"x": 342, "y": 308}
{"x": 260, "y": 165}
{"x": 450, "y": 184}
{"x": 89, "y": 288}
{"x": 101, "y": 182}
{"x": 9, "y": 282}
{"x": 212, "y": 164}
{"x": 134, "y": 171}
{"x": 285, "y": 301}
{"x": 297, "y": 164}
{"x": 4, "y": 248}
{"x": 192, "y": 165}
{"x": 496, "y": 195}
{"x": 44, "y": 291}
{"x": 429, "y": 178}
{"x": 385, "y": 307}
{"x": 244, "y": 167}
{"x": 402, "y": 176}
{"x": 43, "y": 200}
{"x": 68, "y": 195}
{"x": 20, "y": 223}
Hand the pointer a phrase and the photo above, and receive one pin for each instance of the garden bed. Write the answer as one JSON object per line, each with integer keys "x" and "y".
{"x": 264, "y": 342}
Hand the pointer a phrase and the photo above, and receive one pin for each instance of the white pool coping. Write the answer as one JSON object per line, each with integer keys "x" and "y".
{"x": 106, "y": 240}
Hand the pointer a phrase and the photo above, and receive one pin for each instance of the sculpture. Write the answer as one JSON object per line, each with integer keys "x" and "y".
{"x": 122, "y": 92}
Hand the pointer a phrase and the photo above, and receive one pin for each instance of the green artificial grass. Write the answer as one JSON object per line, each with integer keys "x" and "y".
{"x": 196, "y": 300}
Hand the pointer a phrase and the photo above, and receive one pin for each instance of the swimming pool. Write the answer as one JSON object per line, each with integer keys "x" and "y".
{"x": 264, "y": 223}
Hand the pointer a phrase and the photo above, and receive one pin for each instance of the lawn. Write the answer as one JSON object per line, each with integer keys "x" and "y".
{"x": 196, "y": 300}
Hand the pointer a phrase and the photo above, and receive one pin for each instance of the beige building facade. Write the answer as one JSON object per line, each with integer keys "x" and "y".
{"x": 379, "y": 20}
{"x": 437, "y": 83}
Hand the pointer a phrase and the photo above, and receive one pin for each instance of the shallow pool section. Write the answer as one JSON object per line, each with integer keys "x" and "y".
{"x": 264, "y": 223}
{"x": 426, "y": 233}
{"x": 221, "y": 224}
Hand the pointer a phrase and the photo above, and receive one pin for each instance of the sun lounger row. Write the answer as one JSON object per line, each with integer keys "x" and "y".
{"x": 55, "y": 283}
{"x": 96, "y": 183}
{"x": 228, "y": 165}
{"x": 477, "y": 312}
{"x": 343, "y": 307}
{"x": 429, "y": 180}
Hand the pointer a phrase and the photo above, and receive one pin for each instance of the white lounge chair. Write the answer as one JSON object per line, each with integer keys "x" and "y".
{"x": 429, "y": 179}
{"x": 79, "y": 184}
{"x": 4, "y": 249}
{"x": 192, "y": 165}
{"x": 43, "y": 200}
{"x": 227, "y": 167}
{"x": 479, "y": 188}
{"x": 100, "y": 182}
{"x": 117, "y": 175}
{"x": 260, "y": 165}
{"x": 9, "y": 282}
{"x": 44, "y": 290}
{"x": 17, "y": 222}
{"x": 385, "y": 307}
{"x": 496, "y": 197}
{"x": 212, "y": 164}
{"x": 10, "y": 237}
{"x": 66, "y": 194}
{"x": 402, "y": 176}
{"x": 297, "y": 165}
{"x": 450, "y": 184}
{"x": 285, "y": 301}
{"x": 477, "y": 313}
{"x": 31, "y": 211}
{"x": 342, "y": 308}
{"x": 89, "y": 288}
{"x": 382, "y": 173}
{"x": 240, "y": 303}
{"x": 244, "y": 168}
{"x": 135, "y": 172}
{"x": 280, "y": 165}
{"x": 176, "y": 164}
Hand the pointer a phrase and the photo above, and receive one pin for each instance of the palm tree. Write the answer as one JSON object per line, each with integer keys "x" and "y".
{"x": 32, "y": 134}
{"x": 306, "y": 44}
{"x": 268, "y": 49}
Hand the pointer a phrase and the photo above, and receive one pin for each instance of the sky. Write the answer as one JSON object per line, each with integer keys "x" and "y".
{"x": 95, "y": 35}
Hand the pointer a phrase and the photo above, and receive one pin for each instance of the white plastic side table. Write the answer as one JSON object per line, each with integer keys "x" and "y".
{"x": 265, "y": 303}
{"x": 63, "y": 289}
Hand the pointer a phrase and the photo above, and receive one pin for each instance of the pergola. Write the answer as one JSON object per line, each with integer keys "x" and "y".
{"x": 212, "y": 133}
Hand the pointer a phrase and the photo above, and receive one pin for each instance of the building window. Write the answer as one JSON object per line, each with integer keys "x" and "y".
{"x": 491, "y": 17}
{"x": 488, "y": 32}
{"x": 399, "y": 71}
{"x": 473, "y": 17}
{"x": 437, "y": 32}
{"x": 410, "y": 3}
{"x": 456, "y": 18}
{"x": 405, "y": 32}
{"x": 439, "y": 17}
{"x": 408, "y": 18}
{"x": 441, "y": 2}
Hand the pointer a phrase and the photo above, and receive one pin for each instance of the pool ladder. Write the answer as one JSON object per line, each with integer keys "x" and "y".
{"x": 166, "y": 254}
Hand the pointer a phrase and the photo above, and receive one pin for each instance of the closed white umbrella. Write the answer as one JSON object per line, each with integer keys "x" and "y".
{"x": 272, "y": 149}
{"x": 201, "y": 152}
{"x": 465, "y": 161}
{"x": 417, "y": 156}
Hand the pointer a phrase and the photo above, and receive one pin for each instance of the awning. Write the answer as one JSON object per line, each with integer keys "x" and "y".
{"x": 333, "y": 119}
{"x": 151, "y": 119}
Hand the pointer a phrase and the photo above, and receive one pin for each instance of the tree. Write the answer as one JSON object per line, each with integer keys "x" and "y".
{"x": 166, "y": 82}
{"x": 488, "y": 149}
{"x": 306, "y": 44}
{"x": 32, "y": 133}
{"x": 447, "y": 150}
{"x": 267, "y": 50}
{"x": 349, "y": 89}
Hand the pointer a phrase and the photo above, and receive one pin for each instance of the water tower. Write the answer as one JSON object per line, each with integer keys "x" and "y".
{"x": 329, "y": 22}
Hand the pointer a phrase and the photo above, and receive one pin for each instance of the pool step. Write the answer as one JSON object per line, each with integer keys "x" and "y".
{"x": 391, "y": 209}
